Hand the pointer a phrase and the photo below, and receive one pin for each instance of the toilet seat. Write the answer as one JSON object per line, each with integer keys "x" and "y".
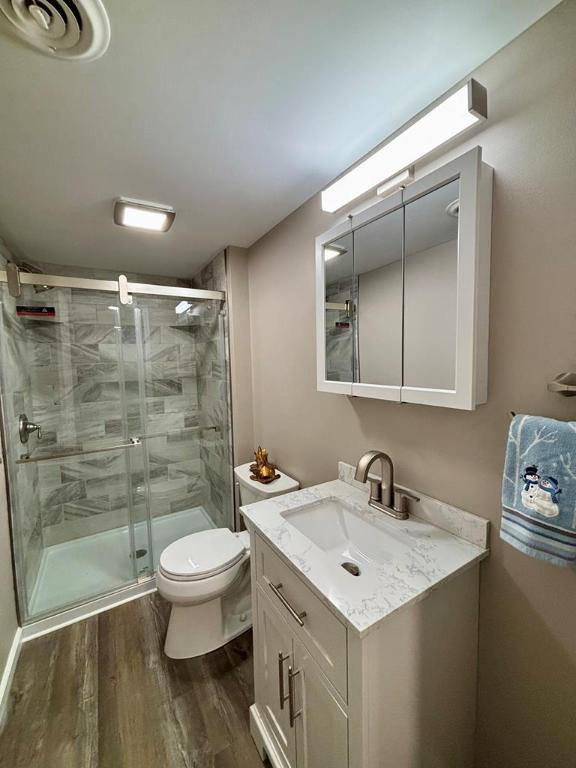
{"x": 203, "y": 555}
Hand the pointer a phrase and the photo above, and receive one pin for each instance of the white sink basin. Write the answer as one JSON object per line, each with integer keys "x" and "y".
{"x": 349, "y": 534}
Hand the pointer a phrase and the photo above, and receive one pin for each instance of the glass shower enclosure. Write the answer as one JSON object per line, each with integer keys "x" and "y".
{"x": 116, "y": 431}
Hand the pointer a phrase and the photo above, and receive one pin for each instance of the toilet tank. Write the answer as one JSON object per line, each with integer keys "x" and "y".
{"x": 251, "y": 491}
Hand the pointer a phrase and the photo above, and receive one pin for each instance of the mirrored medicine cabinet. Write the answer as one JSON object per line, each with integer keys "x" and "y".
{"x": 403, "y": 289}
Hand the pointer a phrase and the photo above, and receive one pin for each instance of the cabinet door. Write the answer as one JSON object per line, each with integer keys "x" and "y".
{"x": 446, "y": 284}
{"x": 320, "y": 718}
{"x": 273, "y": 657}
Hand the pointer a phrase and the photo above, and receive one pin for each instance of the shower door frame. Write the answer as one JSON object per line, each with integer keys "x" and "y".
{"x": 125, "y": 289}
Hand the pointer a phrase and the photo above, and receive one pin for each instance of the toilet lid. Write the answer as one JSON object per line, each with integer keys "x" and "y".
{"x": 202, "y": 554}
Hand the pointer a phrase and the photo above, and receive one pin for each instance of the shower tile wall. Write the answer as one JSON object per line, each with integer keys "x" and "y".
{"x": 78, "y": 363}
{"x": 214, "y": 397}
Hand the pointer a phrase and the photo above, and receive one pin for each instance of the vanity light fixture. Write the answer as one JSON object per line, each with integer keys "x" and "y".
{"x": 399, "y": 181}
{"x": 140, "y": 214}
{"x": 456, "y": 113}
{"x": 331, "y": 251}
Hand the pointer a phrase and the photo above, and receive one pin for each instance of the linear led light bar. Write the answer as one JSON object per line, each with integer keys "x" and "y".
{"x": 140, "y": 214}
{"x": 457, "y": 112}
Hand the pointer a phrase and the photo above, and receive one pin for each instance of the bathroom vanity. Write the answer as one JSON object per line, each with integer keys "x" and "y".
{"x": 365, "y": 630}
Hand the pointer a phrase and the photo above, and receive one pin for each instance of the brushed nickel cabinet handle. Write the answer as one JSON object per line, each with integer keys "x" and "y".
{"x": 298, "y": 617}
{"x": 293, "y": 715}
{"x": 283, "y": 697}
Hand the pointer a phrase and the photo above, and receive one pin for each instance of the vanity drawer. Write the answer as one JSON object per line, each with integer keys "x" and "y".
{"x": 321, "y": 632}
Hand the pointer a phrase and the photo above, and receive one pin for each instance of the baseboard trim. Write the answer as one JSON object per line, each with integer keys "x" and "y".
{"x": 8, "y": 674}
{"x": 265, "y": 744}
{"x": 81, "y": 612}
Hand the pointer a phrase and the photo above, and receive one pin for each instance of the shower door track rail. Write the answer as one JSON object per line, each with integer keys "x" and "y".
{"x": 134, "y": 442}
{"x": 123, "y": 287}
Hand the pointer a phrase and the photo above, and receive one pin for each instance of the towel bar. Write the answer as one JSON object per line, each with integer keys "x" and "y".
{"x": 564, "y": 384}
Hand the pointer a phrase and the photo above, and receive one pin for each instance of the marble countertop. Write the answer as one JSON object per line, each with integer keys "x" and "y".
{"x": 432, "y": 556}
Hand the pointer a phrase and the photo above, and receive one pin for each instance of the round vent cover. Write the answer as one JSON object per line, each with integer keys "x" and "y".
{"x": 66, "y": 29}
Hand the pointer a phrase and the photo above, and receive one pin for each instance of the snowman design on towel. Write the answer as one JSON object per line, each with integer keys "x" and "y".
{"x": 546, "y": 499}
{"x": 530, "y": 490}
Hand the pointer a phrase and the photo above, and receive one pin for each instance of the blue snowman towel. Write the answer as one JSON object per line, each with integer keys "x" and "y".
{"x": 539, "y": 489}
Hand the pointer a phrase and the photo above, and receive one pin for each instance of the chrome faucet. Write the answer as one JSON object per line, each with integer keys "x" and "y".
{"x": 382, "y": 493}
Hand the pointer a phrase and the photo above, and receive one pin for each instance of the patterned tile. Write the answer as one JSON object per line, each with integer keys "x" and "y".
{"x": 65, "y": 375}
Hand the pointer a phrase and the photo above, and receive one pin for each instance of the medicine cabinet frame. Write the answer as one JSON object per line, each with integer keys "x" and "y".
{"x": 472, "y": 286}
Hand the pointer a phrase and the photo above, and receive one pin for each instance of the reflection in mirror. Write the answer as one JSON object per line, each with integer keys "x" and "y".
{"x": 378, "y": 269}
{"x": 339, "y": 308}
{"x": 431, "y": 266}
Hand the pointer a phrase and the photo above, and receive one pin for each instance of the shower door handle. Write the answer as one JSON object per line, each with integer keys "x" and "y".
{"x": 134, "y": 442}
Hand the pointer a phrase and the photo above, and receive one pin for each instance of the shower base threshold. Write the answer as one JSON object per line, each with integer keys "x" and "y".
{"x": 87, "y": 568}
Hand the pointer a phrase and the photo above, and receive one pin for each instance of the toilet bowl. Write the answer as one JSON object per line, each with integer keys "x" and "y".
{"x": 206, "y": 577}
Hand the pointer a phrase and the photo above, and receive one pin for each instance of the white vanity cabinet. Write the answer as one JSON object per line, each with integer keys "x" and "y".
{"x": 305, "y": 718}
{"x": 322, "y": 726}
{"x": 402, "y": 292}
{"x": 326, "y": 696}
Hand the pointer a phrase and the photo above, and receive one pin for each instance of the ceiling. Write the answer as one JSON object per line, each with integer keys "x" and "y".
{"x": 233, "y": 111}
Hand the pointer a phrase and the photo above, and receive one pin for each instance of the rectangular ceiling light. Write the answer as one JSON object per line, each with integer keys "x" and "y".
{"x": 142, "y": 215}
{"x": 457, "y": 112}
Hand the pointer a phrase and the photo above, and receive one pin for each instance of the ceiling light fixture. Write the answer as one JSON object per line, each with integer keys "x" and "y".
{"x": 140, "y": 214}
{"x": 447, "y": 119}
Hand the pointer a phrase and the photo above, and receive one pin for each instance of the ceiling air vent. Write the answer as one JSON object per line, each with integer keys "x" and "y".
{"x": 66, "y": 29}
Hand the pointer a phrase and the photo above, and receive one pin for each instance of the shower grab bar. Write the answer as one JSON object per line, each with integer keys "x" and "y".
{"x": 132, "y": 443}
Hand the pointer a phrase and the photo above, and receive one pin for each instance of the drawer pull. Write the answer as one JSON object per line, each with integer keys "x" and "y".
{"x": 282, "y": 695}
{"x": 295, "y": 615}
{"x": 293, "y": 715}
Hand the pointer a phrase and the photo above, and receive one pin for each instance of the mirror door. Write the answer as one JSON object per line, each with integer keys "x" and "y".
{"x": 430, "y": 289}
{"x": 378, "y": 274}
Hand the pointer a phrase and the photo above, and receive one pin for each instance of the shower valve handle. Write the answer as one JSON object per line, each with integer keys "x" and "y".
{"x": 26, "y": 428}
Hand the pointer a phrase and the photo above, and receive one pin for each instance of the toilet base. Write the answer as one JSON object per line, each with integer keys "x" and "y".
{"x": 194, "y": 630}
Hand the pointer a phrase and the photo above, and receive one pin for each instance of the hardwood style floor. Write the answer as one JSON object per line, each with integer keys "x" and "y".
{"x": 102, "y": 694}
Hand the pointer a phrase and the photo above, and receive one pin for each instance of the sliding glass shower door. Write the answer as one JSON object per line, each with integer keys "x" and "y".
{"x": 176, "y": 396}
{"x": 132, "y": 449}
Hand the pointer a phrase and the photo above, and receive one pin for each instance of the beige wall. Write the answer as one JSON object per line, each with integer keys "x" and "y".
{"x": 527, "y": 688}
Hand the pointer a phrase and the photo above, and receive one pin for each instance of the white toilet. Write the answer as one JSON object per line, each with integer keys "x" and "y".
{"x": 206, "y": 577}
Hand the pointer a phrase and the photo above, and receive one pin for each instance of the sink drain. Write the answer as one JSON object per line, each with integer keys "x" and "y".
{"x": 139, "y": 553}
{"x": 351, "y": 568}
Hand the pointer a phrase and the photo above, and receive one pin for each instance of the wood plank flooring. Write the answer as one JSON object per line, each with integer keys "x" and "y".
{"x": 102, "y": 694}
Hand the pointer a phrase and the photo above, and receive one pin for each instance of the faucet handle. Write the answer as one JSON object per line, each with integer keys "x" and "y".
{"x": 406, "y": 494}
{"x": 403, "y": 499}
